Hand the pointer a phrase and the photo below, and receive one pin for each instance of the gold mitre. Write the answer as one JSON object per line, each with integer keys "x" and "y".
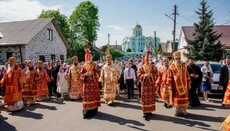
{"x": 30, "y": 61}
{"x": 74, "y": 58}
{"x": 40, "y": 62}
{"x": 165, "y": 59}
{"x": 109, "y": 55}
{"x": 12, "y": 59}
{"x": 177, "y": 55}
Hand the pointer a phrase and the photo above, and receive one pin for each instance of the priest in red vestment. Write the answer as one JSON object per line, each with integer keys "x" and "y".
{"x": 162, "y": 91}
{"x": 91, "y": 94}
{"x": 43, "y": 91}
{"x": 147, "y": 75}
{"x": 13, "y": 82}
{"x": 178, "y": 80}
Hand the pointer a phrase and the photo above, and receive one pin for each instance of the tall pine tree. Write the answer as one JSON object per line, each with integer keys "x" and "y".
{"x": 206, "y": 44}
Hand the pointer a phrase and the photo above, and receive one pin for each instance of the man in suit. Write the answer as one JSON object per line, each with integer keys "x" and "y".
{"x": 224, "y": 76}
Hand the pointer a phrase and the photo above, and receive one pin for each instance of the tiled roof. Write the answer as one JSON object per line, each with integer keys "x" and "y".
{"x": 21, "y": 32}
{"x": 224, "y": 29}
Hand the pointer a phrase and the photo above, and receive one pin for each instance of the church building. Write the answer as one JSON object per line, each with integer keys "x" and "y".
{"x": 135, "y": 46}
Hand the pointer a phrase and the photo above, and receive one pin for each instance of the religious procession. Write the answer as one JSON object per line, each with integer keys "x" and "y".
{"x": 174, "y": 83}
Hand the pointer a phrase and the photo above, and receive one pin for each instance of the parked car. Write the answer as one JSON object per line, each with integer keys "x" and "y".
{"x": 216, "y": 67}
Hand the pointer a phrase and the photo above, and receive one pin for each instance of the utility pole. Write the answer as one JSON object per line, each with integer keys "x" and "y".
{"x": 155, "y": 43}
{"x": 155, "y": 38}
{"x": 108, "y": 39}
{"x": 174, "y": 27}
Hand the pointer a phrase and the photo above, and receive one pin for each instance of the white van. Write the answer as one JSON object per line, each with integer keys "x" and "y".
{"x": 216, "y": 67}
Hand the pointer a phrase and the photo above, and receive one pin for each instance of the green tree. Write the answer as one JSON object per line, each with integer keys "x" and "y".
{"x": 157, "y": 50}
{"x": 128, "y": 50}
{"x": 61, "y": 20}
{"x": 115, "y": 53}
{"x": 206, "y": 44}
{"x": 78, "y": 49}
{"x": 96, "y": 56}
{"x": 84, "y": 22}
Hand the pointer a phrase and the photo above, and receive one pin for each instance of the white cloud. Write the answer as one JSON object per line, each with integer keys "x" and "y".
{"x": 115, "y": 27}
{"x": 16, "y": 10}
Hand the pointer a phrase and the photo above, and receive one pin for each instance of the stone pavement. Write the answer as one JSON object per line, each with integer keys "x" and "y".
{"x": 125, "y": 115}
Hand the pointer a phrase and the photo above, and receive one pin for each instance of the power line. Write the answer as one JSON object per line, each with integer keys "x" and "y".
{"x": 185, "y": 18}
{"x": 181, "y": 3}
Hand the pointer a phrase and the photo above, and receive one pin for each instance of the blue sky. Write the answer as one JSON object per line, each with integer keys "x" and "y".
{"x": 118, "y": 16}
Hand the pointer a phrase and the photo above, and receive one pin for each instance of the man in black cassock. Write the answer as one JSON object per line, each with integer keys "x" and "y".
{"x": 54, "y": 73}
{"x": 196, "y": 78}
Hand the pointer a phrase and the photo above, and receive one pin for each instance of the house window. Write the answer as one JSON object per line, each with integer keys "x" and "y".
{"x": 62, "y": 58}
{"x": 8, "y": 55}
{"x": 42, "y": 58}
{"x": 50, "y": 34}
{"x": 52, "y": 57}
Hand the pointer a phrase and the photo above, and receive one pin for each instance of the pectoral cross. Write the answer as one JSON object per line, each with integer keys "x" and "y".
{"x": 179, "y": 69}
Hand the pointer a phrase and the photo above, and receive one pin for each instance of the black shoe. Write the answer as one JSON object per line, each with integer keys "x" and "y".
{"x": 147, "y": 117}
{"x": 84, "y": 114}
{"x": 111, "y": 103}
{"x": 167, "y": 105}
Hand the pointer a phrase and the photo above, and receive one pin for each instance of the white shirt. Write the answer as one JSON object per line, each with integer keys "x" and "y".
{"x": 132, "y": 74}
{"x": 205, "y": 71}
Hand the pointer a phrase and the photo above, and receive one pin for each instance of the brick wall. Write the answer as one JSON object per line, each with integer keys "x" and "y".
{"x": 40, "y": 45}
{"x": 11, "y": 49}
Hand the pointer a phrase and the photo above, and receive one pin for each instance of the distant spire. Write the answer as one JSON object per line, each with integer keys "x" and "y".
{"x": 108, "y": 39}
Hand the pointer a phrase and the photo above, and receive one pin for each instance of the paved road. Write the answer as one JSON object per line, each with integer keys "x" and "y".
{"x": 125, "y": 115}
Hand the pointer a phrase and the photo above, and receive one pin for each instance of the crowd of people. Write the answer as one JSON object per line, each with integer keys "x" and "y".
{"x": 176, "y": 83}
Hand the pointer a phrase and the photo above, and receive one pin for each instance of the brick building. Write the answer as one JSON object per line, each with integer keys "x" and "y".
{"x": 39, "y": 39}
